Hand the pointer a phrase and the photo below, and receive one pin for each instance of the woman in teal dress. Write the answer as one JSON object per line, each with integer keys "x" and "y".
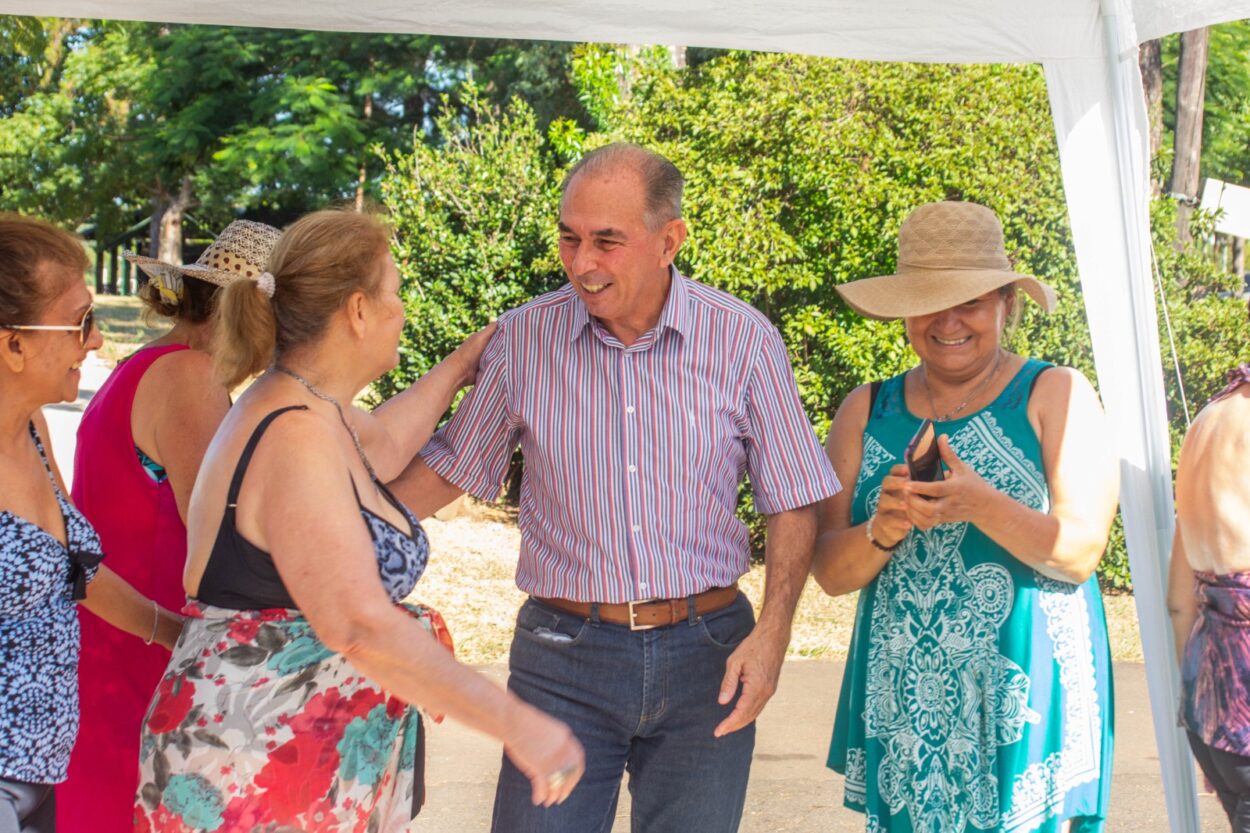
{"x": 977, "y": 692}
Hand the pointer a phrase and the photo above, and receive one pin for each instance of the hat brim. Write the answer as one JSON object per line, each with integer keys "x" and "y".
{"x": 924, "y": 292}
{"x": 159, "y": 268}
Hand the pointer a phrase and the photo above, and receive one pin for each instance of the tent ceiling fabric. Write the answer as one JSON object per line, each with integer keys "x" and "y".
{"x": 1155, "y": 18}
{"x": 968, "y": 31}
{"x": 1088, "y": 48}
{"x": 964, "y": 31}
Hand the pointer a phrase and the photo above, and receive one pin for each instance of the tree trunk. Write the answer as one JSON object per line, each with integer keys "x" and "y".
{"x": 1150, "y": 60}
{"x": 171, "y": 223}
{"x": 1239, "y": 258}
{"x": 679, "y": 56}
{"x": 154, "y": 226}
{"x": 54, "y": 54}
{"x": 363, "y": 176}
{"x": 1191, "y": 88}
{"x": 627, "y": 70}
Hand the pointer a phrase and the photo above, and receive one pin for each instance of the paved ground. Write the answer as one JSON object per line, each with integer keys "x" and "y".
{"x": 791, "y": 791}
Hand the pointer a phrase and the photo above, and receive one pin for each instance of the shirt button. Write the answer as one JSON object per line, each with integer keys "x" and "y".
{"x": 642, "y": 585}
{"x": 636, "y": 528}
{"x": 632, "y": 468}
{"x": 629, "y": 409}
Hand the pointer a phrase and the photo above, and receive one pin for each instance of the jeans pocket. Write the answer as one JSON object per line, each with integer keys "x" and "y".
{"x": 727, "y": 628}
{"x": 546, "y": 626}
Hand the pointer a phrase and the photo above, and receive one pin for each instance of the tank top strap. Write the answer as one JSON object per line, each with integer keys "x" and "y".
{"x": 43, "y": 455}
{"x": 356, "y": 491}
{"x": 888, "y": 398}
{"x": 240, "y": 469}
{"x": 1020, "y": 388}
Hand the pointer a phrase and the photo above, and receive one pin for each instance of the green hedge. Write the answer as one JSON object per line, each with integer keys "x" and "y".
{"x": 799, "y": 172}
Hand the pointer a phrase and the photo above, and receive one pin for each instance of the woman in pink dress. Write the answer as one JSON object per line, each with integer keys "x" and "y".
{"x": 140, "y": 445}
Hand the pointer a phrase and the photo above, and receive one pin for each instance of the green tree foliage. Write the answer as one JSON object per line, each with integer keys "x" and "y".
{"x": 799, "y": 172}
{"x": 475, "y": 218}
{"x": 1207, "y": 316}
{"x": 65, "y": 114}
{"x": 1226, "y": 121}
{"x": 99, "y": 120}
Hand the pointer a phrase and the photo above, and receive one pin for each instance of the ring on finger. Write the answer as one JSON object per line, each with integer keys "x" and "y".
{"x": 556, "y": 779}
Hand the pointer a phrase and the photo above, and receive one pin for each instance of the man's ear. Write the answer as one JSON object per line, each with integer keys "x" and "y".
{"x": 674, "y": 235}
{"x": 11, "y": 351}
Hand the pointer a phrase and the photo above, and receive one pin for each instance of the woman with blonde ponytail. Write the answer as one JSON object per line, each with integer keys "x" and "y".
{"x": 289, "y": 701}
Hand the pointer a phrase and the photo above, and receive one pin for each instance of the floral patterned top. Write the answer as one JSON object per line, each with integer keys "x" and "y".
{"x": 977, "y": 692}
{"x": 39, "y": 582}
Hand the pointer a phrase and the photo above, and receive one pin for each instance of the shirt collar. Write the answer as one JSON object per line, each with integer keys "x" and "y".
{"x": 676, "y": 313}
{"x": 674, "y": 316}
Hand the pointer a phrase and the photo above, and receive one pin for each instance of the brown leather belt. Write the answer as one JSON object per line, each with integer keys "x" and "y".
{"x": 645, "y": 614}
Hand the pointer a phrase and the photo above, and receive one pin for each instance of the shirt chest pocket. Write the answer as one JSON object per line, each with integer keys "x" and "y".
{"x": 702, "y": 442}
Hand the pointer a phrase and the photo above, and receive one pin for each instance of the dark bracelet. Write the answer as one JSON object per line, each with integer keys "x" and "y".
{"x": 875, "y": 542}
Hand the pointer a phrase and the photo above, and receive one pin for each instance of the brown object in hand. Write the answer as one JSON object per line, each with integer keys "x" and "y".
{"x": 924, "y": 460}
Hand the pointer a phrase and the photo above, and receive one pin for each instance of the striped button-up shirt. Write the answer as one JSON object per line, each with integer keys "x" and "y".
{"x": 634, "y": 455}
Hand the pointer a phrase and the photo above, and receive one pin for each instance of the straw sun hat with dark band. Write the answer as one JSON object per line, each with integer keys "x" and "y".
{"x": 240, "y": 252}
{"x": 948, "y": 254}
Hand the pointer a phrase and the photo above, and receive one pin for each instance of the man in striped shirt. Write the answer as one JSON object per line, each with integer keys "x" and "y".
{"x": 639, "y": 398}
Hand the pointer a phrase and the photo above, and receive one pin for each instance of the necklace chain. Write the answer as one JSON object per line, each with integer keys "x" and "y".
{"x": 980, "y": 388}
{"x": 342, "y": 417}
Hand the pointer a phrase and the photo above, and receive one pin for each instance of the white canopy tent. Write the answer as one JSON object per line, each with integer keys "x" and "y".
{"x": 1088, "y": 49}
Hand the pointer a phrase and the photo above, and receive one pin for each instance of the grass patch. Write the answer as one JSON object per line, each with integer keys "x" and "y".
{"x": 120, "y": 319}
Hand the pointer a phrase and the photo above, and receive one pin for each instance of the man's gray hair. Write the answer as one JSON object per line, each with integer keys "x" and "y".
{"x": 660, "y": 177}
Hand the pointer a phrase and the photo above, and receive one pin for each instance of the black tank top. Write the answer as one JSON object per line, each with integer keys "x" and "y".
{"x": 241, "y": 576}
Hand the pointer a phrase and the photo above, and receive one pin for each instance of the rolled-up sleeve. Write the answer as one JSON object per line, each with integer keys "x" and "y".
{"x": 786, "y": 464}
{"x": 473, "y": 450}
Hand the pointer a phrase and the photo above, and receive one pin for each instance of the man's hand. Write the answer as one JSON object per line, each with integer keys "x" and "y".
{"x": 756, "y": 664}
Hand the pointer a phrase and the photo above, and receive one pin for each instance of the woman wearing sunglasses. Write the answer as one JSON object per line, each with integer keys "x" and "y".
{"x": 48, "y": 551}
{"x": 140, "y": 444}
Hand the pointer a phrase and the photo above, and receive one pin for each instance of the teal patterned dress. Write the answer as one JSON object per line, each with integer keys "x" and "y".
{"x": 977, "y": 693}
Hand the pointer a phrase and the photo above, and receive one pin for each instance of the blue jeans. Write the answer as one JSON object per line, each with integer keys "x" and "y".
{"x": 641, "y": 701}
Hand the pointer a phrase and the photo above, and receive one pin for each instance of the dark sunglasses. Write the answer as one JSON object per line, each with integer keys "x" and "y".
{"x": 83, "y": 328}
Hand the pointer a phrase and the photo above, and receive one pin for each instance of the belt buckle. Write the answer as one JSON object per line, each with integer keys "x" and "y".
{"x": 633, "y": 615}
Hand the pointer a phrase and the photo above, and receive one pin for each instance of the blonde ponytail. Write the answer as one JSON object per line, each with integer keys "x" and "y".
{"x": 244, "y": 333}
{"x": 319, "y": 261}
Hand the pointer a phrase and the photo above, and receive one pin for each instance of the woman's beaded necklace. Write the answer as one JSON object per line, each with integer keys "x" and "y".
{"x": 977, "y": 391}
{"x": 342, "y": 417}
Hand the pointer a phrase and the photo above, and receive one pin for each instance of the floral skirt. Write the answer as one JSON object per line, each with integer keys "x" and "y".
{"x": 258, "y": 727}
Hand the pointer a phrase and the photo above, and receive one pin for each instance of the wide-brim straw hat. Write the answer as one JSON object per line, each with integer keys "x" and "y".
{"x": 948, "y": 254}
{"x": 240, "y": 252}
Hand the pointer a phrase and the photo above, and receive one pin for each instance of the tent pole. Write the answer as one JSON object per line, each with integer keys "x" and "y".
{"x": 1100, "y": 117}
{"x": 1150, "y": 567}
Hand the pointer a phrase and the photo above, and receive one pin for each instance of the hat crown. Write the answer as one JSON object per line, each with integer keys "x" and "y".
{"x": 951, "y": 235}
{"x": 242, "y": 247}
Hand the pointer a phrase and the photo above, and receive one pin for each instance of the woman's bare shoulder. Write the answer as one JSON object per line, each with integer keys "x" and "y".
{"x": 181, "y": 368}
